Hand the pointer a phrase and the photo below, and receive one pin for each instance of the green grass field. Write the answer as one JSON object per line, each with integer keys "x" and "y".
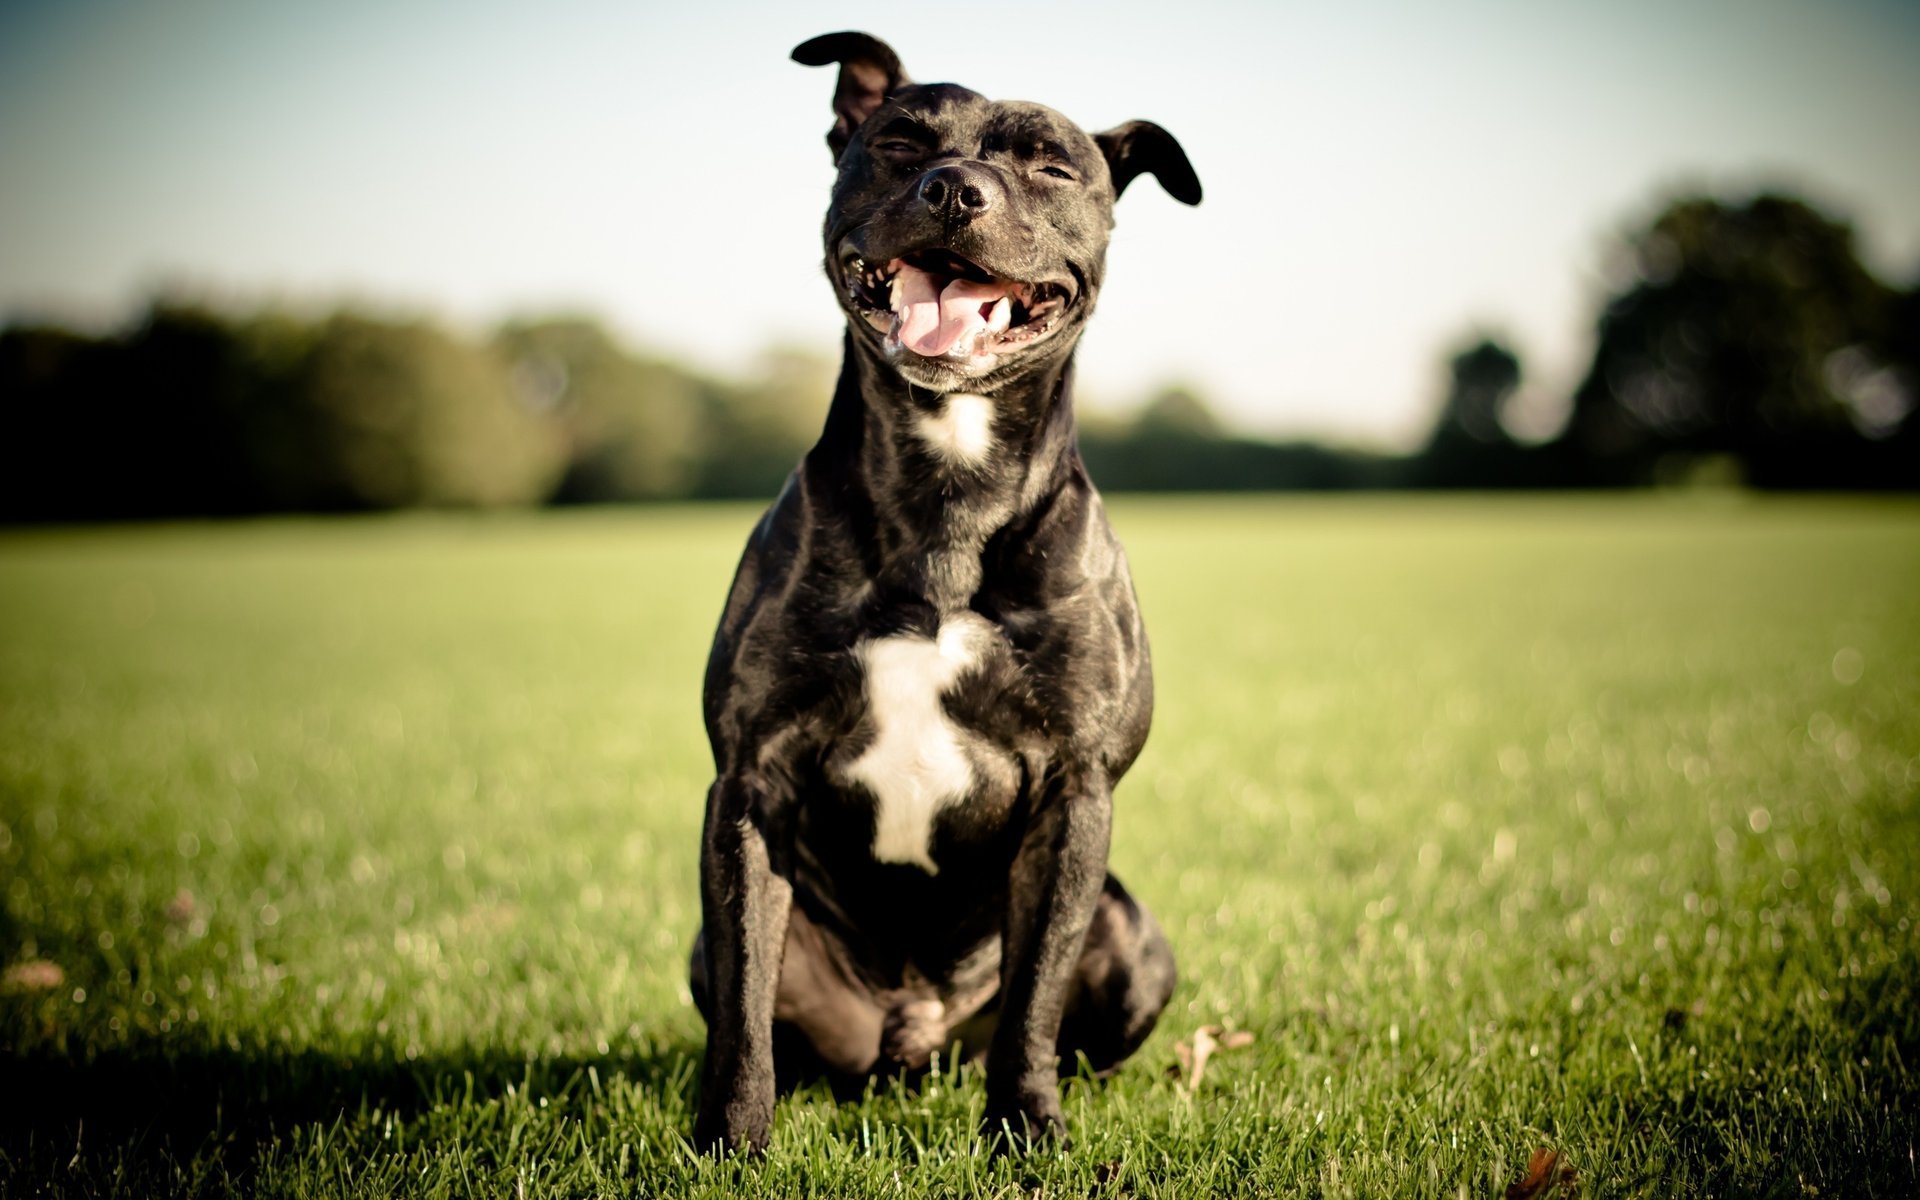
{"x": 357, "y": 858}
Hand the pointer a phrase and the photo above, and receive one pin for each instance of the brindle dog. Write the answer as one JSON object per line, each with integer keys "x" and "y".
{"x": 931, "y": 670}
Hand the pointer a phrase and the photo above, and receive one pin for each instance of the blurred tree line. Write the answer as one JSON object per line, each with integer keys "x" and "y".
{"x": 201, "y": 412}
{"x": 1742, "y": 339}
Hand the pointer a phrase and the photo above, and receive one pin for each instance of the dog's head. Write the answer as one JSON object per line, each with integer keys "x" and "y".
{"x": 967, "y": 237}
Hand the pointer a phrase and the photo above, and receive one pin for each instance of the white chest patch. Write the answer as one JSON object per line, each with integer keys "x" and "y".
{"x": 961, "y": 432}
{"x": 915, "y": 765}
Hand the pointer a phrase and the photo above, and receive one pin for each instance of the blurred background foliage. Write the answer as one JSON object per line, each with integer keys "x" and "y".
{"x": 1741, "y": 339}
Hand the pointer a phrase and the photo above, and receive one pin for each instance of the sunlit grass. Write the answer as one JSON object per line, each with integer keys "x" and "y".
{"x": 363, "y": 854}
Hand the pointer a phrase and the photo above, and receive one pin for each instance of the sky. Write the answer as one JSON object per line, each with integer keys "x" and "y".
{"x": 1384, "y": 181}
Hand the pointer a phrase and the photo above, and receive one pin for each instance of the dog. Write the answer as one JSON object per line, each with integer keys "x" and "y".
{"x": 931, "y": 669}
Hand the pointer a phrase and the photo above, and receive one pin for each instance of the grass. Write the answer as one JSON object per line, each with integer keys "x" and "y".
{"x": 363, "y": 853}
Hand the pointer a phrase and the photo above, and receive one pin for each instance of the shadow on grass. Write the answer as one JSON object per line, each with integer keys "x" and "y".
{"x": 167, "y": 1104}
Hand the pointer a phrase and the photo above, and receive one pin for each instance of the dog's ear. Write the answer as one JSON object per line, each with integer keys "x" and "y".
{"x": 869, "y": 70}
{"x": 1143, "y": 148}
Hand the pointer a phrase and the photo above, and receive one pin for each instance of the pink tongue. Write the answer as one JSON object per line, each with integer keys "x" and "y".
{"x": 933, "y": 322}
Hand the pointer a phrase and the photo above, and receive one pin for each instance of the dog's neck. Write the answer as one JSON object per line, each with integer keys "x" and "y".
{"x": 933, "y": 477}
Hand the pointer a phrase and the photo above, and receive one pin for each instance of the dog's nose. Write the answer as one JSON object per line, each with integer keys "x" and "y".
{"x": 957, "y": 193}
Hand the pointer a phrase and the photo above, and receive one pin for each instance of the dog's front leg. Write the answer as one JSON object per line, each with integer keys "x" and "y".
{"x": 1057, "y": 875}
{"x": 744, "y": 905}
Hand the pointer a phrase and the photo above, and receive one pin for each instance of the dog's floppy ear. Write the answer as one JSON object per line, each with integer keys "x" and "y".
{"x": 869, "y": 70}
{"x": 1143, "y": 148}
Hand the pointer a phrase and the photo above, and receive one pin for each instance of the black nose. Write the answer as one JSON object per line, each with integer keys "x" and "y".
{"x": 957, "y": 193}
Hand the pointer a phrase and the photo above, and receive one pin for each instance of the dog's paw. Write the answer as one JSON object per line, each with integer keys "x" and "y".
{"x": 720, "y": 1130}
{"x": 913, "y": 1031}
{"x": 1025, "y": 1125}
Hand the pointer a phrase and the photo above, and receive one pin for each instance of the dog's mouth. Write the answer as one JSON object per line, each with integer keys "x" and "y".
{"x": 936, "y": 304}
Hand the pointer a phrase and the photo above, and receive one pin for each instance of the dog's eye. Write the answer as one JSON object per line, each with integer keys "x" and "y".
{"x": 895, "y": 148}
{"x": 1056, "y": 172}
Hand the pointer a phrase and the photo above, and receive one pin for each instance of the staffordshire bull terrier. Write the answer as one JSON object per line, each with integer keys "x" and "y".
{"x": 931, "y": 670}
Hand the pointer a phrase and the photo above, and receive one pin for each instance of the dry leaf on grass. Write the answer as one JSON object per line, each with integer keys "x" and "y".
{"x": 181, "y": 908}
{"x": 1194, "y": 1056}
{"x": 1548, "y": 1174}
{"x": 33, "y": 975}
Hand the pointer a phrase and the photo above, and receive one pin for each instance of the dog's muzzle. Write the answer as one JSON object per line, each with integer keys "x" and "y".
{"x": 936, "y": 304}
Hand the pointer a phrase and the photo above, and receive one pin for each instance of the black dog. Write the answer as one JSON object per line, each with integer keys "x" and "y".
{"x": 931, "y": 670}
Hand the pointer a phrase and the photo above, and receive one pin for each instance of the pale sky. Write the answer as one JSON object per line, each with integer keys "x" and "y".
{"x": 1382, "y": 179}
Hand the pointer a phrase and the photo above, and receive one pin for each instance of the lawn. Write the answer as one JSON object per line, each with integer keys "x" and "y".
{"x": 357, "y": 858}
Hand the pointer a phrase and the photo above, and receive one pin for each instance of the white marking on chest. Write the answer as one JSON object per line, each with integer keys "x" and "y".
{"x": 915, "y": 765}
{"x": 961, "y": 432}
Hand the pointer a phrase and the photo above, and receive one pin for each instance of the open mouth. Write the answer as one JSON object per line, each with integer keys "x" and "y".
{"x": 937, "y": 304}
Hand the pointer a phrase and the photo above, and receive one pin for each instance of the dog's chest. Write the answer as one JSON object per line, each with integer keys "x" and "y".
{"x": 919, "y": 762}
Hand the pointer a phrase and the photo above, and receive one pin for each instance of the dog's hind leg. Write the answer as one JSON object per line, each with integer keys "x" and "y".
{"x": 1122, "y": 982}
{"x": 825, "y": 1023}
{"x": 822, "y": 999}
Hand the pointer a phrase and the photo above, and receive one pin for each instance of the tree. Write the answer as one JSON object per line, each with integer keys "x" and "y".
{"x": 1470, "y": 446}
{"x": 757, "y": 430}
{"x": 157, "y": 422}
{"x": 633, "y": 426}
{"x": 47, "y": 429}
{"x": 402, "y": 414}
{"x": 1485, "y": 377}
{"x": 1179, "y": 412}
{"x": 1726, "y": 340}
